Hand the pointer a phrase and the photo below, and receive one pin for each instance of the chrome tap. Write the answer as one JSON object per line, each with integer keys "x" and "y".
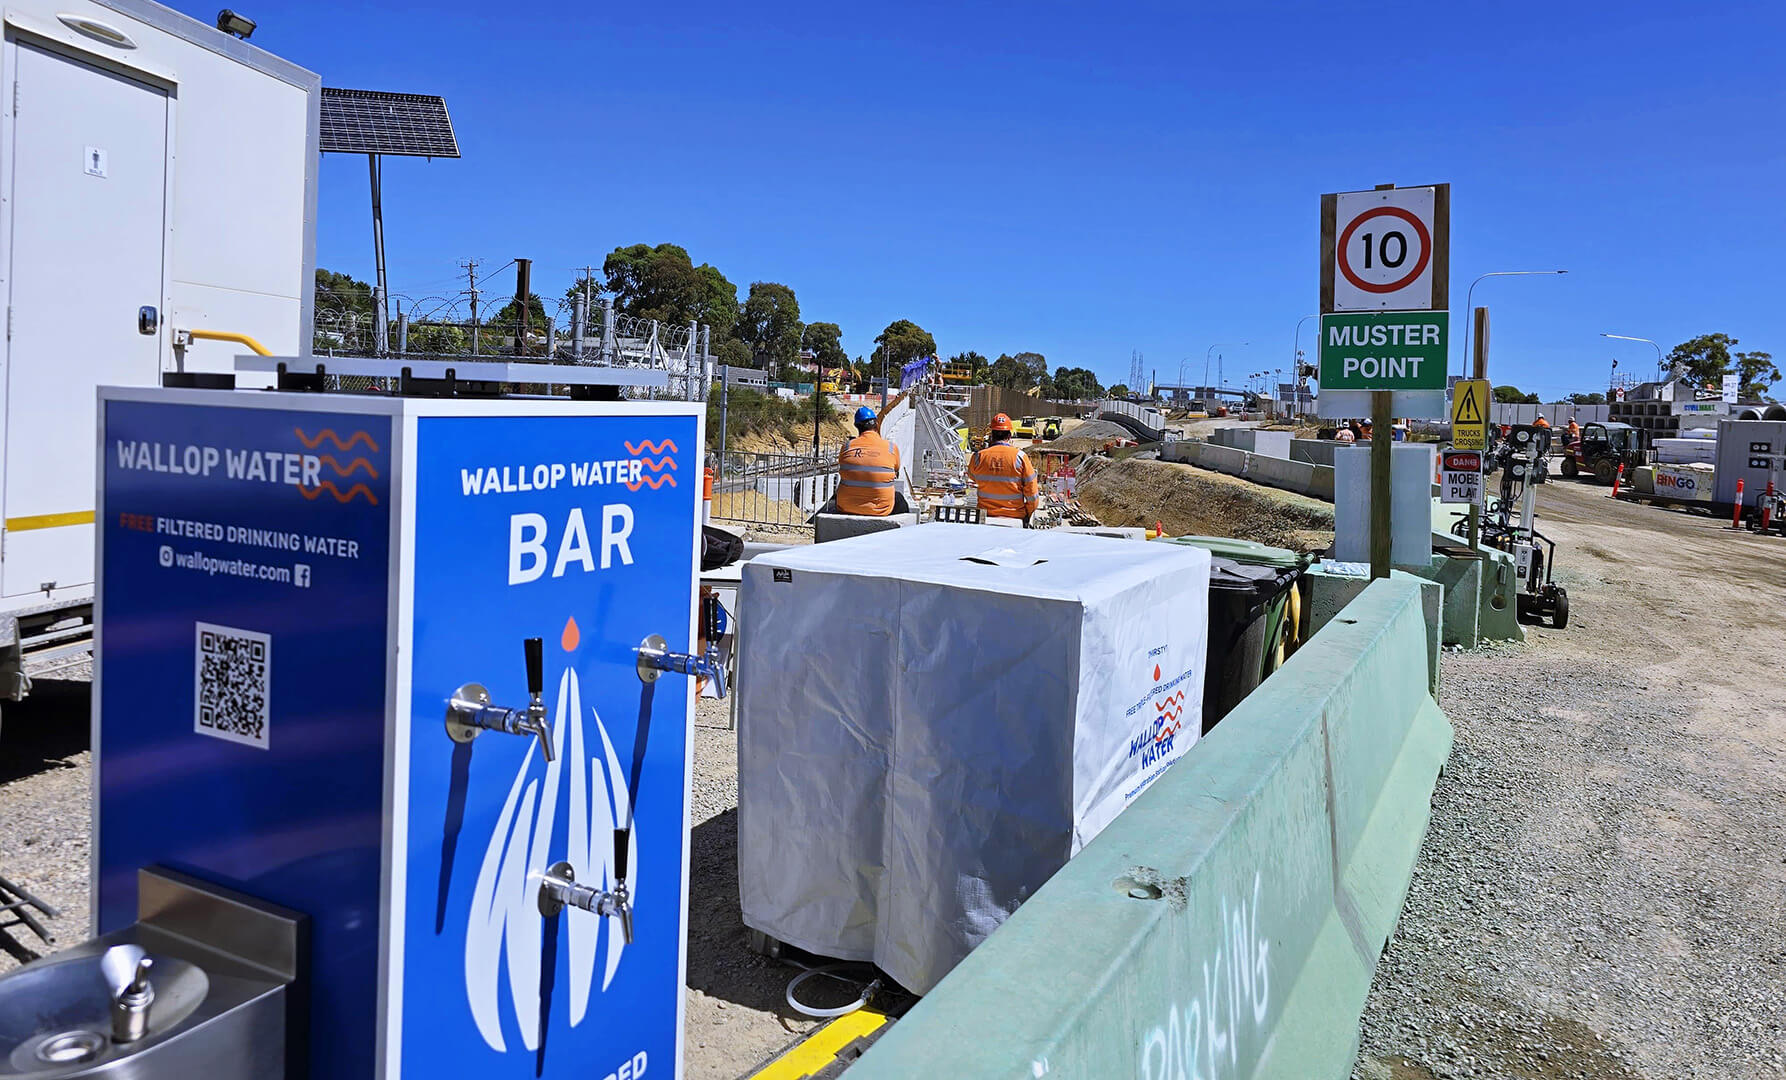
{"x": 469, "y": 712}
{"x": 126, "y": 968}
{"x": 559, "y": 890}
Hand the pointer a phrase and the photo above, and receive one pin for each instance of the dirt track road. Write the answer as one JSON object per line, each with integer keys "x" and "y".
{"x": 1603, "y": 890}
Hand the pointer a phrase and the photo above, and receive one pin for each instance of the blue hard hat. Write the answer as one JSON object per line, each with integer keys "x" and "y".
{"x": 864, "y": 416}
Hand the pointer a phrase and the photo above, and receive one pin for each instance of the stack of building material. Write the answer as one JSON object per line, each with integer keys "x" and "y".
{"x": 1686, "y": 451}
{"x": 932, "y": 720}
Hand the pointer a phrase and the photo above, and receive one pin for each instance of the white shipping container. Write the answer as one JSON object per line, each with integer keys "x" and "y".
{"x": 933, "y": 720}
{"x": 159, "y": 182}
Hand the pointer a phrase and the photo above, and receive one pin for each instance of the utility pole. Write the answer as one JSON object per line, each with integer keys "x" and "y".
{"x": 471, "y": 273}
{"x": 584, "y": 311}
{"x": 523, "y": 274}
{"x": 1480, "y": 333}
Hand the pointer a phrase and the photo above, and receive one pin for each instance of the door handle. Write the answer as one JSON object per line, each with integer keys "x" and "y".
{"x": 148, "y": 320}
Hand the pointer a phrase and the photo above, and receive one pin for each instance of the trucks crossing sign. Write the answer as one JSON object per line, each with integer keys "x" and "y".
{"x": 1469, "y": 415}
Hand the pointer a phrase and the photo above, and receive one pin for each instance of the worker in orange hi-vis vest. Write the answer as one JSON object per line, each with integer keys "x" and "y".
{"x": 867, "y": 467}
{"x": 1002, "y": 473}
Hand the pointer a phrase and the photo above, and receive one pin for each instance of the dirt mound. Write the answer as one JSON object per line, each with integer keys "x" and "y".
{"x": 1086, "y": 438}
{"x": 1189, "y": 500}
{"x": 793, "y": 439}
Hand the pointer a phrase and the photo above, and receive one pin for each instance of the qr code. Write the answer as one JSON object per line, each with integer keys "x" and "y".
{"x": 230, "y": 672}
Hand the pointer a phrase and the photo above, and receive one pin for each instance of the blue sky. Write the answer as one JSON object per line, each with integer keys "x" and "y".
{"x": 1082, "y": 180}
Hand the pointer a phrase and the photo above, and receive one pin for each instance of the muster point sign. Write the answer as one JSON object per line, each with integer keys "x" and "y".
{"x": 1388, "y": 350}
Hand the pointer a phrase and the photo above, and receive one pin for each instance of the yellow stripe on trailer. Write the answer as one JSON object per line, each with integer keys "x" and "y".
{"x": 820, "y": 1048}
{"x": 49, "y": 521}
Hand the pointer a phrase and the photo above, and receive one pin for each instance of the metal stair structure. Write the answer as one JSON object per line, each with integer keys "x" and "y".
{"x": 941, "y": 413}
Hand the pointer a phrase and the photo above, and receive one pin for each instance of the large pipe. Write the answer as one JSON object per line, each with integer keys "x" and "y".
{"x": 1775, "y": 412}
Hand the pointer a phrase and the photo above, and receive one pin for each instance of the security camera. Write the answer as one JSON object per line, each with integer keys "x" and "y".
{"x": 231, "y": 23}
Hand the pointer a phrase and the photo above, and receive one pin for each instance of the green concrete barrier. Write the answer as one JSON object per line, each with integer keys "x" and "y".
{"x": 1228, "y": 923}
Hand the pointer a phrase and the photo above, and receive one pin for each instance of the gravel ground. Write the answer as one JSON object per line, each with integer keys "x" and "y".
{"x": 44, "y": 773}
{"x": 1601, "y": 892}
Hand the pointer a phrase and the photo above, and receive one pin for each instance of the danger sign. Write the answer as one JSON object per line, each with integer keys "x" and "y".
{"x": 1385, "y": 250}
{"x": 1460, "y": 477}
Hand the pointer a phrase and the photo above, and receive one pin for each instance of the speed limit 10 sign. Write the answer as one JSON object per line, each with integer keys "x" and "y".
{"x": 1386, "y": 250}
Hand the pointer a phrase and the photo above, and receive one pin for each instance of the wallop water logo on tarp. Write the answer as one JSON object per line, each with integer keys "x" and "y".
{"x": 506, "y": 928}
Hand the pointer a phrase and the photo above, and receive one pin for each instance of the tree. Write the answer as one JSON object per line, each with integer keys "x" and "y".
{"x": 825, "y": 341}
{"x": 437, "y": 338}
{"x": 770, "y": 323}
{"x": 340, "y": 292}
{"x": 1119, "y": 391}
{"x": 1008, "y": 374}
{"x": 1704, "y": 360}
{"x": 1511, "y": 395}
{"x": 663, "y": 283}
{"x": 732, "y": 352}
{"x": 508, "y": 316}
{"x": 1076, "y": 383}
{"x": 1758, "y": 373}
{"x": 904, "y": 341}
{"x": 1587, "y": 399}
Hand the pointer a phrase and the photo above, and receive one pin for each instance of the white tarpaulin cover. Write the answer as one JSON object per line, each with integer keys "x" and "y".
{"x": 932, "y": 720}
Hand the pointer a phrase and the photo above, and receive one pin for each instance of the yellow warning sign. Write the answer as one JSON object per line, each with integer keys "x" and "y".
{"x": 1469, "y": 414}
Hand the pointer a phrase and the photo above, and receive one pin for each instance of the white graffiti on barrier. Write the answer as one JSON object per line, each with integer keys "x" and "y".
{"x": 1200, "y": 1039}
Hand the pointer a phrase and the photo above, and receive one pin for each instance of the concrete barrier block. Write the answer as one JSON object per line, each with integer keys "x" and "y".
{"x": 1271, "y": 443}
{"x": 1228, "y": 922}
{"x": 1331, "y": 593}
{"x": 1223, "y": 459}
{"x": 829, "y": 527}
{"x": 1462, "y": 582}
{"x": 1314, "y": 451}
{"x": 1183, "y": 451}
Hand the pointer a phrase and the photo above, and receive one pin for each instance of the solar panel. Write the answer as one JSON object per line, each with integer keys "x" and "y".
{"x": 378, "y": 122}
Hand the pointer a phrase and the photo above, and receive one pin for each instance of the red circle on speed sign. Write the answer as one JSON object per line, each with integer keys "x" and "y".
{"x": 1426, "y": 250}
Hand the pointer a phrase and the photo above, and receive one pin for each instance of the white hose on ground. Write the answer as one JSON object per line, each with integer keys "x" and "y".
{"x": 829, "y": 971}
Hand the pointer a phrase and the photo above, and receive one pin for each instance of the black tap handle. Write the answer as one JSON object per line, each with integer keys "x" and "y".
{"x": 536, "y": 665}
{"x": 622, "y": 843}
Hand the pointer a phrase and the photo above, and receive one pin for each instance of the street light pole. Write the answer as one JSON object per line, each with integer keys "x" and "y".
{"x": 1206, "y": 356}
{"x": 1469, "y": 301}
{"x": 1646, "y": 341}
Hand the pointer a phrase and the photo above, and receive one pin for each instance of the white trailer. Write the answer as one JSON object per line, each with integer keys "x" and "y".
{"x": 157, "y": 215}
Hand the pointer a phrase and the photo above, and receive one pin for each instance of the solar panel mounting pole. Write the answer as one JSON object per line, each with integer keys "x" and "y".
{"x": 381, "y": 340}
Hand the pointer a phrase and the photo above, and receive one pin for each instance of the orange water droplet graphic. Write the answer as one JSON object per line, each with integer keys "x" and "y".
{"x": 1156, "y": 673}
{"x": 570, "y": 638}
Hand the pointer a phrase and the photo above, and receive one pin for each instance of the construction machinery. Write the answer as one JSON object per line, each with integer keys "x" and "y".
{"x": 1601, "y": 450}
{"x": 1024, "y": 427}
{"x": 1510, "y": 523}
{"x": 1051, "y": 427}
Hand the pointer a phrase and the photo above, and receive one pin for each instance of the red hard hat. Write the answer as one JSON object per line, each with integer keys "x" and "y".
{"x": 1001, "y": 422}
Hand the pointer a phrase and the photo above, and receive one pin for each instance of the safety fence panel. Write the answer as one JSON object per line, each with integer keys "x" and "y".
{"x": 1151, "y": 422}
{"x": 1228, "y": 923}
{"x": 782, "y": 490}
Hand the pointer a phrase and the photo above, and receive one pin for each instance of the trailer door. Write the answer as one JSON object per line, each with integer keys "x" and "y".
{"x": 86, "y": 209}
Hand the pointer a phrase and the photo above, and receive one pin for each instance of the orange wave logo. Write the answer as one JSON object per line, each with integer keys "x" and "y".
{"x": 311, "y": 443}
{"x": 353, "y": 466}
{"x": 329, "y": 486}
{"x": 657, "y": 465}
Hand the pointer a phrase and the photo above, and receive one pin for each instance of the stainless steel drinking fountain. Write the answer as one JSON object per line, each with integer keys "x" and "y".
{"x": 206, "y": 983}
